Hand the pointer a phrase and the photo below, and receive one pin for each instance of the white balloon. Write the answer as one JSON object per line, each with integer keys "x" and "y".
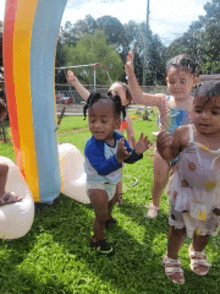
{"x": 16, "y": 219}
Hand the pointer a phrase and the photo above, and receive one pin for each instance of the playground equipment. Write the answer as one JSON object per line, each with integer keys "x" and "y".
{"x": 94, "y": 65}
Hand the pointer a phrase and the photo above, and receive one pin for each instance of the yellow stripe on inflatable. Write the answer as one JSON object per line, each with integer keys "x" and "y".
{"x": 24, "y": 20}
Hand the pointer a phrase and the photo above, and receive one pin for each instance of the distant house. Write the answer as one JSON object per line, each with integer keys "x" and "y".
{"x": 212, "y": 77}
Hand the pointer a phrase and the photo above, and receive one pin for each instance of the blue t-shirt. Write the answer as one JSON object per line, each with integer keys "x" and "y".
{"x": 100, "y": 163}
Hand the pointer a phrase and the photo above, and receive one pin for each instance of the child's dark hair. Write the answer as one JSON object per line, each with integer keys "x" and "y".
{"x": 3, "y": 108}
{"x": 184, "y": 61}
{"x": 127, "y": 91}
{"x": 208, "y": 90}
{"x": 96, "y": 96}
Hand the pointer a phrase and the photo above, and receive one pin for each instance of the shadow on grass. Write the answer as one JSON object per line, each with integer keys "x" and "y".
{"x": 64, "y": 263}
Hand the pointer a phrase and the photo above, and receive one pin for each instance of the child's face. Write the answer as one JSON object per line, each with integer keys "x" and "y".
{"x": 117, "y": 89}
{"x": 180, "y": 82}
{"x": 103, "y": 120}
{"x": 206, "y": 115}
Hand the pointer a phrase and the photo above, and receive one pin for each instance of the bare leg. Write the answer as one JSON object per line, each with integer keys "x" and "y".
{"x": 119, "y": 191}
{"x": 171, "y": 263}
{"x": 99, "y": 201}
{"x": 112, "y": 202}
{"x": 175, "y": 240}
{"x": 3, "y": 178}
{"x": 161, "y": 176}
{"x": 199, "y": 242}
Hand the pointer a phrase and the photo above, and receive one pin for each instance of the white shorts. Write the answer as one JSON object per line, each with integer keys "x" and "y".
{"x": 109, "y": 188}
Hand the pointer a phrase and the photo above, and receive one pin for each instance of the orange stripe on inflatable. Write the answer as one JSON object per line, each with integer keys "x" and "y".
{"x": 11, "y": 7}
{"x": 24, "y": 20}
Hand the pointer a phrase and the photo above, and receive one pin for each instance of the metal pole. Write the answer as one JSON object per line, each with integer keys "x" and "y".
{"x": 145, "y": 51}
{"x": 94, "y": 81}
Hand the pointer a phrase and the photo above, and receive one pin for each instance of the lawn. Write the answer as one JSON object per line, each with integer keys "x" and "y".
{"x": 55, "y": 256}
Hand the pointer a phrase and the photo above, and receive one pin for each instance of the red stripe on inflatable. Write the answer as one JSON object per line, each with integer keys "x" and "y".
{"x": 10, "y": 10}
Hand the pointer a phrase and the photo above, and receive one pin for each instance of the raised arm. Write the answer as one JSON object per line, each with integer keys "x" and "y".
{"x": 136, "y": 91}
{"x": 72, "y": 79}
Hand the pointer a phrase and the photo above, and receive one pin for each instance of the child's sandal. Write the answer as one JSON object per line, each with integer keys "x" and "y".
{"x": 120, "y": 200}
{"x": 198, "y": 262}
{"x": 173, "y": 270}
{"x": 153, "y": 211}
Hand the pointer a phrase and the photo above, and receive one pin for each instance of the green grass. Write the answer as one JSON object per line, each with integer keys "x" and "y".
{"x": 55, "y": 257}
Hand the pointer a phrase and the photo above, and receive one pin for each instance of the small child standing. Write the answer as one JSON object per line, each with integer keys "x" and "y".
{"x": 182, "y": 74}
{"x": 194, "y": 188}
{"x": 104, "y": 153}
{"x": 117, "y": 88}
{"x": 5, "y": 197}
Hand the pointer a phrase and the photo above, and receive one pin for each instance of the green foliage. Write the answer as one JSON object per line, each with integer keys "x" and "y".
{"x": 202, "y": 39}
{"x": 120, "y": 38}
{"x": 92, "y": 48}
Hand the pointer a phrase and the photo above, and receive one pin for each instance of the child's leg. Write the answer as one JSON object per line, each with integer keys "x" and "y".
{"x": 161, "y": 176}
{"x": 3, "y": 178}
{"x": 199, "y": 264}
{"x": 6, "y": 197}
{"x": 112, "y": 202}
{"x": 119, "y": 199}
{"x": 99, "y": 201}
{"x": 172, "y": 264}
{"x": 175, "y": 240}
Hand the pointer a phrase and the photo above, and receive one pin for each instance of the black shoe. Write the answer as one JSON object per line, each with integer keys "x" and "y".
{"x": 102, "y": 247}
{"x": 110, "y": 221}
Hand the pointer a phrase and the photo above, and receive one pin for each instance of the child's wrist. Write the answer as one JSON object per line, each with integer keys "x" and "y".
{"x": 130, "y": 76}
{"x": 119, "y": 161}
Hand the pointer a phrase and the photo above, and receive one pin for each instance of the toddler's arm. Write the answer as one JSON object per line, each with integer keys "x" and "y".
{"x": 139, "y": 148}
{"x": 130, "y": 131}
{"x": 72, "y": 79}
{"x": 169, "y": 147}
{"x": 136, "y": 91}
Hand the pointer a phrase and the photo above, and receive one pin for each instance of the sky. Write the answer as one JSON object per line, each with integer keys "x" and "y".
{"x": 168, "y": 18}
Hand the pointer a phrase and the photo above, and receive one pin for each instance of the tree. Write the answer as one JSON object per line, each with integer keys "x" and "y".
{"x": 91, "y": 49}
{"x": 202, "y": 39}
{"x": 114, "y": 31}
{"x": 155, "y": 68}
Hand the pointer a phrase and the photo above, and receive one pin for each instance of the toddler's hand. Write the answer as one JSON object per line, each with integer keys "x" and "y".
{"x": 122, "y": 152}
{"x": 142, "y": 145}
{"x": 163, "y": 141}
{"x": 129, "y": 66}
{"x": 72, "y": 79}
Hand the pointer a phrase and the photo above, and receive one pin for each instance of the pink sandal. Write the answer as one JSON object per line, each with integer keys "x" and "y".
{"x": 153, "y": 211}
{"x": 198, "y": 262}
{"x": 173, "y": 270}
{"x": 9, "y": 198}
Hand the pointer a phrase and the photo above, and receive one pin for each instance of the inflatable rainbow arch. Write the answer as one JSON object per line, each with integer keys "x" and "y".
{"x": 29, "y": 47}
{"x": 43, "y": 169}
